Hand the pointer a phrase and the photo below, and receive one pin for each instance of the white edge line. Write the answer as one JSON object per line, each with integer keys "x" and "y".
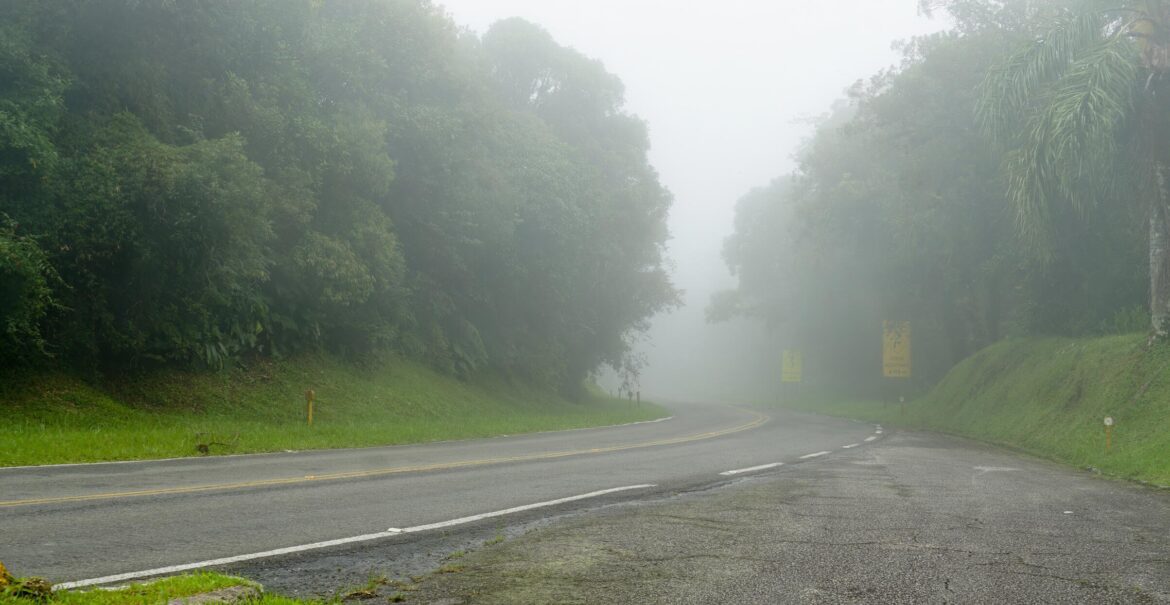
{"x": 816, "y": 455}
{"x": 850, "y": 446}
{"x": 762, "y": 467}
{"x": 870, "y": 438}
{"x": 393, "y": 531}
{"x": 518, "y": 509}
{"x": 224, "y": 561}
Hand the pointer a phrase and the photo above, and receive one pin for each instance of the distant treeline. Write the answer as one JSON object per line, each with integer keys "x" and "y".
{"x": 185, "y": 183}
{"x": 905, "y": 207}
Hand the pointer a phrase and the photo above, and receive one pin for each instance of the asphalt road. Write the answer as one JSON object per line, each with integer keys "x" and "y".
{"x": 94, "y": 523}
{"x": 914, "y": 518}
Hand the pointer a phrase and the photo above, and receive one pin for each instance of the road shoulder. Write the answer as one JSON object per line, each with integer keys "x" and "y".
{"x": 913, "y": 518}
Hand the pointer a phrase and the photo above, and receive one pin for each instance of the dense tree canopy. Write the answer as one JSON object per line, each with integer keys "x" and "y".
{"x": 902, "y": 209}
{"x": 193, "y": 182}
{"x": 1081, "y": 114}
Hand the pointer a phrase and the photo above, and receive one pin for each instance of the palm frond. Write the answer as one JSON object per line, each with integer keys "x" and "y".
{"x": 1058, "y": 106}
{"x": 1029, "y": 199}
{"x": 1010, "y": 88}
{"x": 1084, "y": 114}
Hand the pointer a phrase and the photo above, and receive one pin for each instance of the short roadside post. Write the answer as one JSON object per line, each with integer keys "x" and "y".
{"x": 310, "y": 395}
{"x": 1108, "y": 433}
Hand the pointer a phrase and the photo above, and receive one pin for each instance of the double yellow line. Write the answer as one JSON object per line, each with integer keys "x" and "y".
{"x": 756, "y": 422}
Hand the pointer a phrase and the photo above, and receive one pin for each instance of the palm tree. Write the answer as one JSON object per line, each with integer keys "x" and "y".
{"x": 1082, "y": 115}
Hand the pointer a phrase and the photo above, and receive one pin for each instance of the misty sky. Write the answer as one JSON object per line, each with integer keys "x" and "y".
{"x": 728, "y": 89}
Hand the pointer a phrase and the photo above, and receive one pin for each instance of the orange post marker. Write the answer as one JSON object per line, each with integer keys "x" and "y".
{"x": 310, "y": 395}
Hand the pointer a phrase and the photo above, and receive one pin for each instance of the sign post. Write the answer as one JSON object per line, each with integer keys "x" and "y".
{"x": 896, "y": 360}
{"x": 310, "y": 395}
{"x": 896, "y": 349}
{"x": 791, "y": 372}
{"x": 792, "y": 368}
{"x": 1108, "y": 433}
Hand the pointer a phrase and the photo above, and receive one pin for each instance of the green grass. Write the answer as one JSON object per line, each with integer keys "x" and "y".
{"x": 58, "y": 418}
{"x": 148, "y": 593}
{"x": 1049, "y": 397}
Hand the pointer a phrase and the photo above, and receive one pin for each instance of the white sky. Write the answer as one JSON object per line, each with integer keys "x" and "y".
{"x": 727, "y": 88}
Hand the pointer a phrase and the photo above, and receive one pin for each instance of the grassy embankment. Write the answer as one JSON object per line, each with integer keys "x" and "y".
{"x": 1049, "y": 398}
{"x": 58, "y": 419}
{"x": 137, "y": 594}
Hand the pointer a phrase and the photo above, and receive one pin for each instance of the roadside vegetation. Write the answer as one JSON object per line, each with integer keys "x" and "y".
{"x": 56, "y": 418}
{"x": 1003, "y": 190}
{"x": 925, "y": 196}
{"x": 185, "y": 185}
{"x": 189, "y": 188}
{"x": 1047, "y": 397}
{"x": 19, "y": 591}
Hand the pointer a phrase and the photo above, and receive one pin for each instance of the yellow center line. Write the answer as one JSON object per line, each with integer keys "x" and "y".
{"x": 758, "y": 421}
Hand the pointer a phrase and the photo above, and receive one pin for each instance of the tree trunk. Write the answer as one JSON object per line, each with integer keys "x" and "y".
{"x": 1159, "y": 261}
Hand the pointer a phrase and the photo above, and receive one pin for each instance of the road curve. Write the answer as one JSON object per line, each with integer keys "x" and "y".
{"x": 87, "y": 523}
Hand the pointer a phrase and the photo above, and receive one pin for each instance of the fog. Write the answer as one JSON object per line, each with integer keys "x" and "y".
{"x": 729, "y": 91}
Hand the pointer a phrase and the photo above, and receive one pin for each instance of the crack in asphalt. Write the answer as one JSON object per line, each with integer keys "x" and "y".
{"x": 1049, "y": 576}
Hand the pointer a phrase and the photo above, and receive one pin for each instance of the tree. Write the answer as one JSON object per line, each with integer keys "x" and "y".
{"x": 1081, "y": 112}
{"x": 596, "y": 240}
{"x": 26, "y": 296}
{"x": 191, "y": 182}
{"x": 895, "y": 211}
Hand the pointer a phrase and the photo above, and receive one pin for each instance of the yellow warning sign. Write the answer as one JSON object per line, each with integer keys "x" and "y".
{"x": 793, "y": 366}
{"x": 896, "y": 349}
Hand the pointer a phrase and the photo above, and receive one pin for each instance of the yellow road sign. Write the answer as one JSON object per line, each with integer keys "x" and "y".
{"x": 793, "y": 366}
{"x": 896, "y": 349}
